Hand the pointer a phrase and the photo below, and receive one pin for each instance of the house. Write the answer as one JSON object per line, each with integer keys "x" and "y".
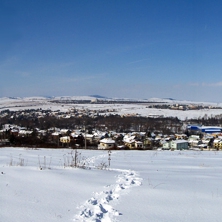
{"x": 193, "y": 140}
{"x": 65, "y": 139}
{"x": 106, "y": 143}
{"x": 166, "y": 145}
{"x": 217, "y": 144}
{"x": 148, "y": 143}
{"x": 89, "y": 138}
{"x": 180, "y": 136}
{"x": 178, "y": 144}
{"x": 64, "y": 131}
{"x": 25, "y": 133}
{"x": 55, "y": 135}
{"x": 77, "y": 138}
{"x": 175, "y": 145}
{"x": 132, "y": 143}
{"x": 138, "y": 145}
{"x": 14, "y": 132}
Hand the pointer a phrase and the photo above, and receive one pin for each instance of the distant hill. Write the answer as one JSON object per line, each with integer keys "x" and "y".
{"x": 101, "y": 98}
{"x": 98, "y": 97}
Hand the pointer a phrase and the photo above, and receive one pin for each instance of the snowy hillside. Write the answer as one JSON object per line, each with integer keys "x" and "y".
{"x": 39, "y": 185}
{"x": 135, "y": 107}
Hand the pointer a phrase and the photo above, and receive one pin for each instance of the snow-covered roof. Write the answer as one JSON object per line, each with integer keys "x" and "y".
{"x": 107, "y": 140}
{"x": 179, "y": 141}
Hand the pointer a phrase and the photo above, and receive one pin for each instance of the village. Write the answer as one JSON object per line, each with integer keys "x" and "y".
{"x": 103, "y": 128}
{"x": 202, "y": 138}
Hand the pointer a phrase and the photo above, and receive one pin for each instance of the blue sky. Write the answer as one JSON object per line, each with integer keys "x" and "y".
{"x": 116, "y": 48}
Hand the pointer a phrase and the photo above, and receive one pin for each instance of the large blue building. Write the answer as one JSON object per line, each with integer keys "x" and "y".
{"x": 205, "y": 129}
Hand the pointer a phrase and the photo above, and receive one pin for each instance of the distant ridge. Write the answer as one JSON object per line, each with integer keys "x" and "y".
{"x": 99, "y": 97}
{"x": 169, "y": 99}
{"x": 12, "y": 97}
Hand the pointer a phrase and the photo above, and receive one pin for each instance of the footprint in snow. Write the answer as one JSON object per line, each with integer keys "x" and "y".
{"x": 98, "y": 208}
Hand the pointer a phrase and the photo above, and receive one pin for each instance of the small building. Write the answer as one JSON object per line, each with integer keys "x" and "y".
{"x": 193, "y": 140}
{"x": 89, "y": 138}
{"x": 166, "y": 146}
{"x": 65, "y": 139}
{"x": 106, "y": 143}
{"x": 23, "y": 133}
{"x": 217, "y": 144}
{"x": 133, "y": 144}
{"x": 138, "y": 145}
{"x": 178, "y": 144}
{"x": 130, "y": 144}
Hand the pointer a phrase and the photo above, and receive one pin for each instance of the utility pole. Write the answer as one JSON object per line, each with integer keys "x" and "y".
{"x": 85, "y": 135}
{"x": 109, "y": 156}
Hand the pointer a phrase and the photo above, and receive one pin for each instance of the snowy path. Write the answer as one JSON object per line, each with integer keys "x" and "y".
{"x": 99, "y": 207}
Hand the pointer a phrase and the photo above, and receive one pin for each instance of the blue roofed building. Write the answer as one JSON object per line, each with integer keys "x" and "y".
{"x": 205, "y": 129}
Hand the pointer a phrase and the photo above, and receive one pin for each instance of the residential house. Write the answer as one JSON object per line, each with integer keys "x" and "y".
{"x": 106, "y": 143}
{"x": 25, "y": 133}
{"x": 217, "y": 144}
{"x": 132, "y": 143}
{"x": 65, "y": 139}
{"x": 166, "y": 145}
{"x": 178, "y": 144}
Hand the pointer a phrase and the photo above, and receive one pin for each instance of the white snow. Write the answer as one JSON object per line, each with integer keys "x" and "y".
{"x": 15, "y": 104}
{"x": 38, "y": 185}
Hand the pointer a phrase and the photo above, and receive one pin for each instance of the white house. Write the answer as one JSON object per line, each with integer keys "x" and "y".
{"x": 179, "y": 144}
{"x": 132, "y": 143}
{"x": 89, "y": 137}
{"x": 106, "y": 143}
{"x": 138, "y": 144}
{"x": 166, "y": 145}
{"x": 176, "y": 145}
{"x": 65, "y": 139}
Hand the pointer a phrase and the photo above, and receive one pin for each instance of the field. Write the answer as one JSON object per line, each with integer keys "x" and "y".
{"x": 141, "y": 109}
{"x": 44, "y": 185}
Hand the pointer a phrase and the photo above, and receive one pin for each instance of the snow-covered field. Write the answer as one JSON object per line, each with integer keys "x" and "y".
{"x": 44, "y": 103}
{"x": 37, "y": 185}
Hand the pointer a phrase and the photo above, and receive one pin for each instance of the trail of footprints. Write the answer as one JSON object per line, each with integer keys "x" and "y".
{"x": 98, "y": 207}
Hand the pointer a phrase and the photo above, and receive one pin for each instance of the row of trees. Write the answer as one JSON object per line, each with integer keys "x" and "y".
{"x": 111, "y": 123}
{"x": 166, "y": 125}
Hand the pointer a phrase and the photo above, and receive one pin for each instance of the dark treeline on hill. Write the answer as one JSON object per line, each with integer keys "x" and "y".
{"x": 105, "y": 102}
{"x": 165, "y": 125}
{"x": 108, "y": 123}
{"x": 206, "y": 121}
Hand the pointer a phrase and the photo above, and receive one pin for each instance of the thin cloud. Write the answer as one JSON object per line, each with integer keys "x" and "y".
{"x": 24, "y": 74}
{"x": 194, "y": 84}
{"x": 79, "y": 79}
{"x": 216, "y": 84}
{"x": 137, "y": 61}
{"x": 9, "y": 62}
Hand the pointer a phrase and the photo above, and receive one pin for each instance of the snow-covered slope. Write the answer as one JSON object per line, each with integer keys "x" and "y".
{"x": 130, "y": 108}
{"x": 37, "y": 185}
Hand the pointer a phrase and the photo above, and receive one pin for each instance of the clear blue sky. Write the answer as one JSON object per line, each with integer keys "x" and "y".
{"x": 115, "y": 48}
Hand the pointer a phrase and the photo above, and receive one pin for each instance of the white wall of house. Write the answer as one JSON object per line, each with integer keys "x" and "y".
{"x": 138, "y": 144}
{"x": 166, "y": 145}
{"x": 65, "y": 139}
